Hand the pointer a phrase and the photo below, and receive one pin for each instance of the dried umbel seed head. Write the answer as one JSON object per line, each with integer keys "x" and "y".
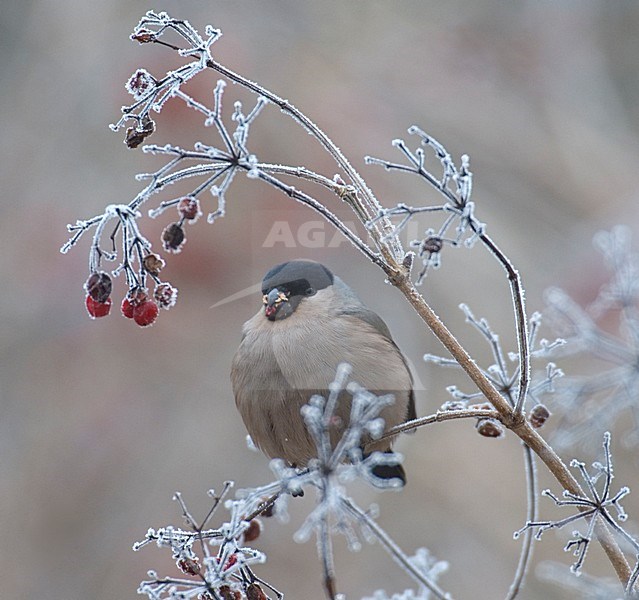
{"x": 98, "y": 286}
{"x": 490, "y": 428}
{"x": 189, "y": 208}
{"x": 165, "y": 295}
{"x": 253, "y": 531}
{"x": 153, "y": 264}
{"x": 98, "y": 309}
{"x": 173, "y": 238}
{"x": 539, "y": 414}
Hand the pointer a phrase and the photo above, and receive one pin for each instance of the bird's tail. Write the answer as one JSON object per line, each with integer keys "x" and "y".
{"x": 395, "y": 471}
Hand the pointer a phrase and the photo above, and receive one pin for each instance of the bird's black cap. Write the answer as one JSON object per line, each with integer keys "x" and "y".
{"x": 297, "y": 276}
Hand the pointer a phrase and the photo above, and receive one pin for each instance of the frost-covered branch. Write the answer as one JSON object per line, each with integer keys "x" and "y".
{"x": 458, "y": 208}
{"x": 505, "y": 380}
{"x": 215, "y": 563}
{"x": 222, "y": 566}
{"x": 597, "y": 504}
{"x": 336, "y": 466}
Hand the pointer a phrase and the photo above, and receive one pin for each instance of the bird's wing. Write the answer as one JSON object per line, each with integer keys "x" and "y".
{"x": 372, "y": 318}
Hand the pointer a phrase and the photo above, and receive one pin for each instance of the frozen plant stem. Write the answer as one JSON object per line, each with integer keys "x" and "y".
{"x": 393, "y": 549}
{"x": 389, "y": 255}
{"x": 513, "y": 421}
{"x": 391, "y": 250}
{"x": 521, "y": 321}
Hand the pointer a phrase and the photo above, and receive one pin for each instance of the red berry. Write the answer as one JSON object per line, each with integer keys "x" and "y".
{"x": 135, "y": 297}
{"x": 98, "y": 309}
{"x": 145, "y": 313}
{"x": 190, "y": 566}
{"x": 231, "y": 561}
{"x": 127, "y": 308}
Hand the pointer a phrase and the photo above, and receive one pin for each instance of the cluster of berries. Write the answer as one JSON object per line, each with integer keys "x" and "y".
{"x": 250, "y": 591}
{"x": 137, "y": 304}
{"x": 173, "y": 236}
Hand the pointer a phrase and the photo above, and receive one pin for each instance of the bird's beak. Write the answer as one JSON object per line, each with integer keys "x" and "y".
{"x": 272, "y": 302}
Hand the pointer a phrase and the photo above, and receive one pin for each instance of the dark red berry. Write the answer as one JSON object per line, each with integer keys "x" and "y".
{"x": 136, "y": 135}
{"x": 173, "y": 238}
{"x": 98, "y": 286}
{"x": 98, "y": 309}
{"x": 127, "y": 308}
{"x": 253, "y": 531}
{"x": 145, "y": 313}
{"x": 539, "y": 414}
{"x": 432, "y": 244}
{"x": 490, "y": 428}
{"x": 144, "y": 36}
{"x": 140, "y": 83}
{"x": 226, "y": 593}
{"x": 189, "y": 208}
{"x": 190, "y": 566}
{"x": 254, "y": 592}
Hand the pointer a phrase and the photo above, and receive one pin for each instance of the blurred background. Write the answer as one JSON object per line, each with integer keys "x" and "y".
{"x": 102, "y": 421}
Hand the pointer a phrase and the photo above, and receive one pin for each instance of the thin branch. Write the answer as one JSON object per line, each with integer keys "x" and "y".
{"x": 327, "y": 214}
{"x": 521, "y": 321}
{"x": 527, "y": 546}
{"x": 394, "y": 550}
{"x": 438, "y": 417}
{"x": 515, "y": 422}
{"x": 368, "y": 203}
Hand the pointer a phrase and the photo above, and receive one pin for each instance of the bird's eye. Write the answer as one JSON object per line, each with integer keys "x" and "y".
{"x": 311, "y": 291}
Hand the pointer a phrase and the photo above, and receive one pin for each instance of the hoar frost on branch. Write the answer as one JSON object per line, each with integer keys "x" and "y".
{"x": 595, "y": 504}
{"x": 229, "y": 570}
{"x": 503, "y": 393}
{"x": 498, "y": 373}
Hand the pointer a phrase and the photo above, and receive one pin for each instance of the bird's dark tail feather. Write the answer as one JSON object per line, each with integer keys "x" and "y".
{"x": 389, "y": 471}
